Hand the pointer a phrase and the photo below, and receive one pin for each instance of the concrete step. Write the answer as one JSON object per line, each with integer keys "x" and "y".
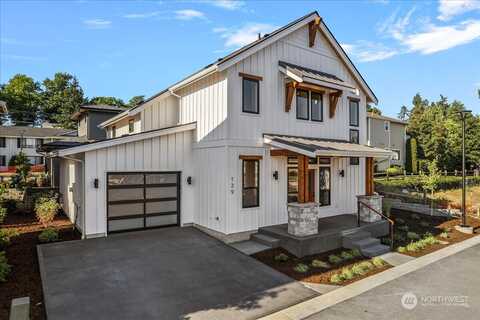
{"x": 375, "y": 250}
{"x": 349, "y": 240}
{"x": 265, "y": 240}
{"x": 367, "y": 242}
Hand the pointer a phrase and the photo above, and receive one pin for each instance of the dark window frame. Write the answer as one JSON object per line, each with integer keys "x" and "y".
{"x": 114, "y": 131}
{"x": 357, "y": 101}
{"x": 131, "y": 125}
{"x": 350, "y": 135}
{"x": 321, "y": 106}
{"x": 3, "y": 142}
{"x": 257, "y": 81}
{"x": 308, "y": 104}
{"x": 354, "y": 161}
{"x": 257, "y": 187}
{"x": 291, "y": 194}
{"x": 3, "y": 160}
{"x": 329, "y": 186}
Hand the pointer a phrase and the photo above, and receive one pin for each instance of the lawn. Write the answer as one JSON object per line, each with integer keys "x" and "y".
{"x": 24, "y": 278}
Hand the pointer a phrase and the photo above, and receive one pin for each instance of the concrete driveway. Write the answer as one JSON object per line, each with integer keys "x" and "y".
{"x": 174, "y": 273}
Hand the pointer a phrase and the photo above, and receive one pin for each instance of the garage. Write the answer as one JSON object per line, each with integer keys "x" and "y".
{"x": 142, "y": 200}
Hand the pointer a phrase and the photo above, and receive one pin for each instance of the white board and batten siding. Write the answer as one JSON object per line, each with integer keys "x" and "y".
{"x": 161, "y": 112}
{"x": 171, "y": 152}
{"x": 70, "y": 188}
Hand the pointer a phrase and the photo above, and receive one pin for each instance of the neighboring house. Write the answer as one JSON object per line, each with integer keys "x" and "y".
{"x": 387, "y": 133}
{"x": 280, "y": 120}
{"x": 89, "y": 117}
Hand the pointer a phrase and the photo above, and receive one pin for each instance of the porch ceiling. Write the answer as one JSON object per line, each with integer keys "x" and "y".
{"x": 313, "y": 147}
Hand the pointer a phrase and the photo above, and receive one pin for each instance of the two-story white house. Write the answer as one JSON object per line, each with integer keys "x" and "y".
{"x": 281, "y": 120}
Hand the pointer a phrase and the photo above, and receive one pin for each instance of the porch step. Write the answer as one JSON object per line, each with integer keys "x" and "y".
{"x": 375, "y": 250}
{"x": 265, "y": 240}
{"x": 363, "y": 241}
{"x": 368, "y": 242}
{"x": 350, "y": 240}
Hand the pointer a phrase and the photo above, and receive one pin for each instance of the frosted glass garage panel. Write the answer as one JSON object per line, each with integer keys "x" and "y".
{"x": 161, "y": 220}
{"x": 126, "y": 209}
{"x": 161, "y": 206}
{"x": 161, "y": 178}
{"x": 161, "y": 192}
{"x": 125, "y": 224}
{"x": 125, "y": 194}
{"x": 124, "y": 179}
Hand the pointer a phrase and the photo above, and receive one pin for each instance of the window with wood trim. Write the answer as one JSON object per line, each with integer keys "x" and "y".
{"x": 302, "y": 105}
{"x": 316, "y": 102}
{"x": 250, "y": 183}
{"x": 353, "y": 107}
{"x": 250, "y": 95}
{"x": 131, "y": 125}
{"x": 354, "y": 136}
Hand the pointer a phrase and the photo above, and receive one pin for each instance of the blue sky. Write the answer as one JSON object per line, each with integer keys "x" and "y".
{"x": 129, "y": 48}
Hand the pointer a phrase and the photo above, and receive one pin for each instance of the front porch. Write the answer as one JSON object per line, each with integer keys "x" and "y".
{"x": 333, "y": 232}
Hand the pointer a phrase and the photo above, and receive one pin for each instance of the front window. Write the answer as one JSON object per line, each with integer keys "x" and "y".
{"x": 302, "y": 104}
{"x": 354, "y": 136}
{"x": 324, "y": 186}
{"x": 354, "y": 112}
{"x": 131, "y": 125}
{"x": 250, "y": 95}
{"x": 250, "y": 183}
{"x": 3, "y": 161}
{"x": 317, "y": 106}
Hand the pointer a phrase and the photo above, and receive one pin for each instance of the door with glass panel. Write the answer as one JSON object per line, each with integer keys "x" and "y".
{"x": 140, "y": 200}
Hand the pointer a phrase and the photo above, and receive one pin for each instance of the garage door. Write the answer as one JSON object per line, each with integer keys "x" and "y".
{"x": 140, "y": 200}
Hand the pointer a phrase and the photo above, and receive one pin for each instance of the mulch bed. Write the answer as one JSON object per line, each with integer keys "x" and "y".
{"x": 313, "y": 275}
{"x": 436, "y": 226}
{"x": 24, "y": 279}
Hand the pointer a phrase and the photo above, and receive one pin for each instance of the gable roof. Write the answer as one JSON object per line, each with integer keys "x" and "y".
{"x": 380, "y": 117}
{"x": 249, "y": 49}
{"x": 31, "y": 132}
{"x": 96, "y": 107}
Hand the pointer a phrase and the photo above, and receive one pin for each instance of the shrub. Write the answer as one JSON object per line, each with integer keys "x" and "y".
{"x": 387, "y": 207}
{"x": 412, "y": 236}
{"x": 399, "y": 237}
{"x": 415, "y": 216}
{"x": 413, "y": 247}
{"x": 5, "y": 268}
{"x": 399, "y": 221}
{"x": 403, "y": 228}
{"x": 394, "y": 171}
{"x": 429, "y": 240}
{"x": 6, "y": 235}
{"x": 358, "y": 270}
{"x": 48, "y": 235}
{"x": 46, "y": 209}
{"x": 444, "y": 235}
{"x": 334, "y": 259}
{"x": 424, "y": 224}
{"x": 346, "y": 255}
{"x": 347, "y": 274}
{"x": 336, "y": 278}
{"x": 401, "y": 249}
{"x": 301, "y": 268}
{"x": 356, "y": 253}
{"x": 282, "y": 257}
{"x": 3, "y": 214}
{"x": 320, "y": 264}
{"x": 367, "y": 265}
{"x": 378, "y": 262}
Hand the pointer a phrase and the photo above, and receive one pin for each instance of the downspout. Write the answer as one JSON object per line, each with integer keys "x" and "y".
{"x": 82, "y": 162}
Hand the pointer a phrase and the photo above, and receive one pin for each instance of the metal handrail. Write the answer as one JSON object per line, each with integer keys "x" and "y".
{"x": 390, "y": 221}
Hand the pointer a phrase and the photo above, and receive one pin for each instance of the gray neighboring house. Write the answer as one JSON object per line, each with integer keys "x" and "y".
{"x": 387, "y": 133}
{"x": 90, "y": 116}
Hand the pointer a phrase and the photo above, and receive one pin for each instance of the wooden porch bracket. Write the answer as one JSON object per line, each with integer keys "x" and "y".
{"x": 312, "y": 31}
{"x": 302, "y": 179}
{"x": 282, "y": 153}
{"x": 369, "y": 187}
{"x": 289, "y": 93}
{"x": 333, "y": 101}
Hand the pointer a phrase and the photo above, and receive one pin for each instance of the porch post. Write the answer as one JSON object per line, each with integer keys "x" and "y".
{"x": 369, "y": 188}
{"x": 302, "y": 178}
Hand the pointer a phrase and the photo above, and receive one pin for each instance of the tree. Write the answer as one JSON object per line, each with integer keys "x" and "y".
{"x": 23, "y": 167}
{"x": 135, "y": 101}
{"x": 110, "y": 101}
{"x": 432, "y": 180}
{"x": 62, "y": 97}
{"x": 22, "y": 95}
{"x": 404, "y": 113}
{"x": 374, "y": 110}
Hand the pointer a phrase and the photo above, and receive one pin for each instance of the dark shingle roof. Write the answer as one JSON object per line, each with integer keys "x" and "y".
{"x": 18, "y": 131}
{"x": 103, "y": 107}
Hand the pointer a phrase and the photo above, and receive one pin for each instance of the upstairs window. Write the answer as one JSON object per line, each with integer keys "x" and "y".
{"x": 3, "y": 142}
{"x": 354, "y": 136}
{"x": 114, "y": 131}
{"x": 353, "y": 107}
{"x": 250, "y": 96}
{"x": 39, "y": 142}
{"x": 131, "y": 125}
{"x": 316, "y": 102}
{"x": 302, "y": 104}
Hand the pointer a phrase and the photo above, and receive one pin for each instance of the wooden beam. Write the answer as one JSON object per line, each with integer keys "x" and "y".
{"x": 250, "y": 76}
{"x": 333, "y": 100}
{"x": 289, "y": 93}
{"x": 312, "y": 31}
{"x": 312, "y": 87}
{"x": 369, "y": 187}
{"x": 302, "y": 178}
{"x": 282, "y": 153}
{"x": 242, "y": 157}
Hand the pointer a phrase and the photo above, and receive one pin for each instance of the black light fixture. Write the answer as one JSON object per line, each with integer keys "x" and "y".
{"x": 275, "y": 175}
{"x": 189, "y": 180}
{"x": 341, "y": 173}
{"x": 95, "y": 183}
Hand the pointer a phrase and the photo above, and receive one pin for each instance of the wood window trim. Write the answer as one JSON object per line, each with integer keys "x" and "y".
{"x": 333, "y": 98}
{"x": 258, "y": 96}
{"x": 257, "y": 187}
{"x": 358, "y": 112}
{"x": 308, "y": 104}
{"x": 252, "y": 157}
{"x": 250, "y": 76}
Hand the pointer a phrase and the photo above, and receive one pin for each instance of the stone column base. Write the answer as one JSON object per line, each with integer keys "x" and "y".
{"x": 302, "y": 219}
{"x": 374, "y": 201}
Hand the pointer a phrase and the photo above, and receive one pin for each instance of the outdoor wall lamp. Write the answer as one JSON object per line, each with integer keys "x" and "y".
{"x": 275, "y": 175}
{"x": 95, "y": 183}
{"x": 189, "y": 180}
{"x": 342, "y": 173}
